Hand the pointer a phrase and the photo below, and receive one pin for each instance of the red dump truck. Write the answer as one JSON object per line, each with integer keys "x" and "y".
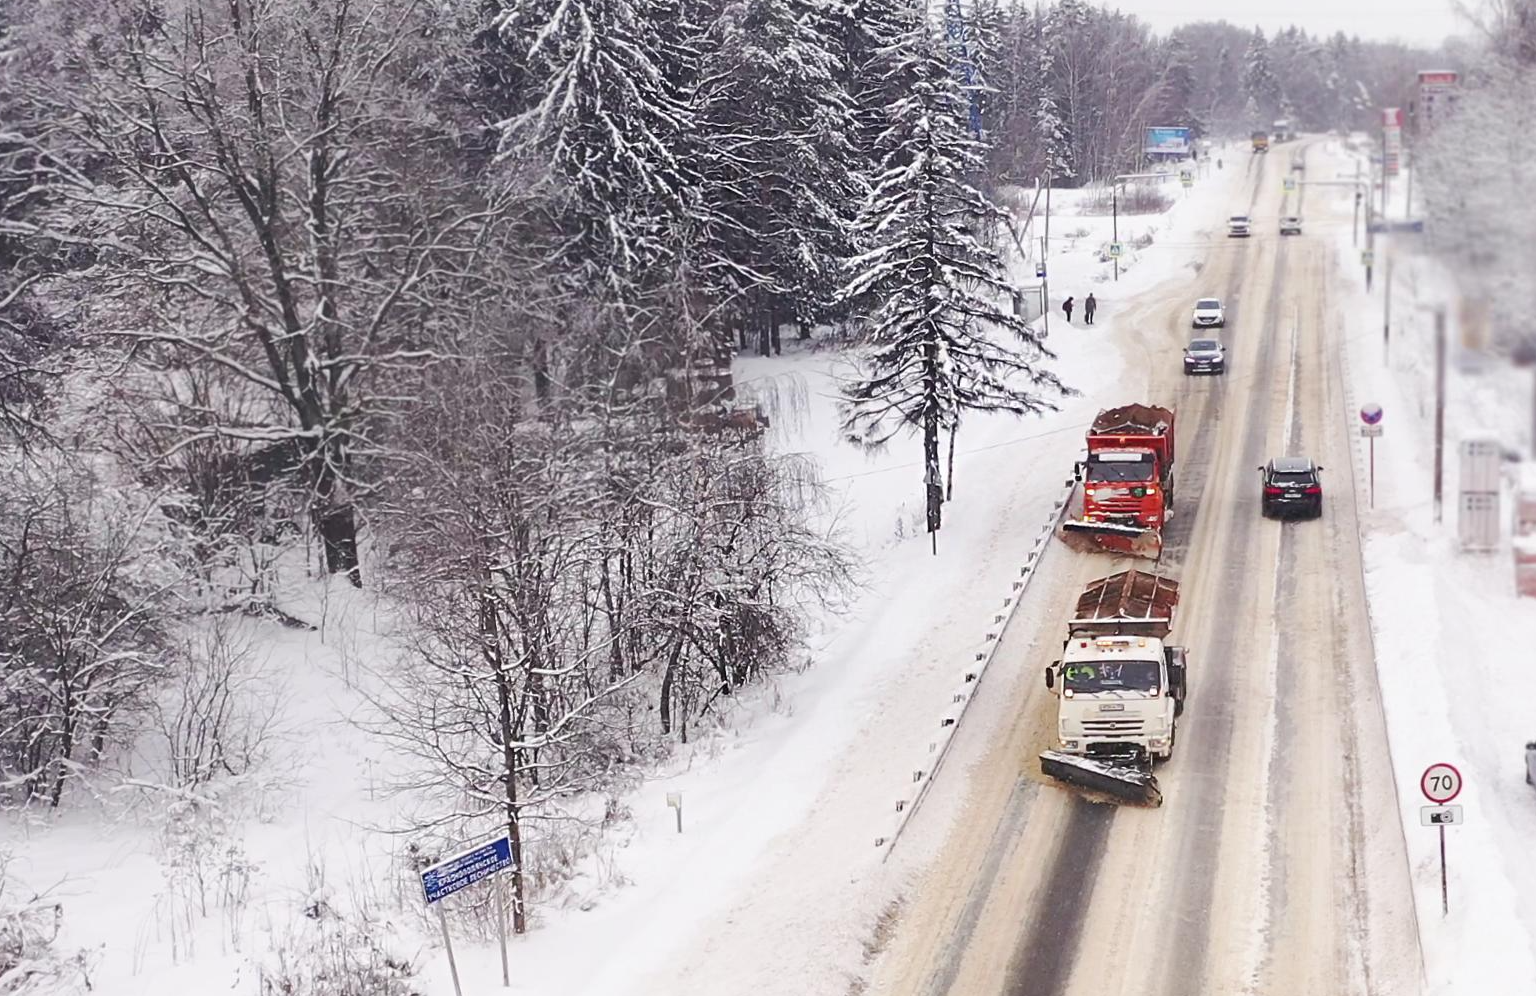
{"x": 1127, "y": 483}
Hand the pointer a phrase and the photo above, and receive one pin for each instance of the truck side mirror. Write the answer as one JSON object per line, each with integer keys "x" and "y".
{"x": 1077, "y": 471}
{"x": 1050, "y": 681}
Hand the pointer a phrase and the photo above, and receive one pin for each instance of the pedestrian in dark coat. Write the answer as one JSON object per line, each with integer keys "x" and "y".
{"x": 1067, "y": 307}
{"x": 1089, "y": 307}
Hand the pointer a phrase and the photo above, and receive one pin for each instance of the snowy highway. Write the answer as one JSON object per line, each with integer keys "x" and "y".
{"x": 1280, "y": 807}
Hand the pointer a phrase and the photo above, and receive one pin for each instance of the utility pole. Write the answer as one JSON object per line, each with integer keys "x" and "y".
{"x": 1045, "y": 281}
{"x": 1370, "y": 247}
{"x": 1439, "y": 407}
{"x": 1383, "y": 172}
{"x": 1408, "y": 206}
{"x": 1386, "y": 314}
{"x": 1358, "y": 198}
{"x": 1114, "y": 223}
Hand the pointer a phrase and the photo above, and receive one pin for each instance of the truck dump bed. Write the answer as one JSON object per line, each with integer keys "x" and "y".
{"x": 1131, "y": 603}
{"x": 1149, "y": 425}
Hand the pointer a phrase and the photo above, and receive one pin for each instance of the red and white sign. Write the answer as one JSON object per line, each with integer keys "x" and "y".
{"x": 1440, "y": 783}
{"x": 1391, "y": 139}
{"x": 1371, "y": 413}
{"x": 1438, "y": 90}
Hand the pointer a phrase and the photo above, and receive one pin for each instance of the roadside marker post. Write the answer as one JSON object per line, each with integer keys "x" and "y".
{"x": 1441, "y": 783}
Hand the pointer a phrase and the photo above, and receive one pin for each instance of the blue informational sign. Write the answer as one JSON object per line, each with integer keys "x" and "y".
{"x": 466, "y": 868}
{"x": 1168, "y": 141}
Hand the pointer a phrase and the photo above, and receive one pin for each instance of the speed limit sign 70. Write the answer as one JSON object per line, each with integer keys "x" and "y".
{"x": 1440, "y": 783}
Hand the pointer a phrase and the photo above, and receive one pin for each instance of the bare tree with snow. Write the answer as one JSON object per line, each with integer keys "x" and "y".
{"x": 284, "y": 209}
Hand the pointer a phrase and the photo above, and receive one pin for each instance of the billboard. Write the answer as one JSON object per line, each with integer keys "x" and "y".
{"x": 1167, "y": 142}
{"x": 1438, "y": 90}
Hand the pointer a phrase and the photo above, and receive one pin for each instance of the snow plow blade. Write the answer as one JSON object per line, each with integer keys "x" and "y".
{"x": 1132, "y": 541}
{"x": 1123, "y": 779}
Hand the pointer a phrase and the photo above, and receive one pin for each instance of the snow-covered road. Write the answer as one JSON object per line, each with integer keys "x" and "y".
{"x": 1277, "y": 861}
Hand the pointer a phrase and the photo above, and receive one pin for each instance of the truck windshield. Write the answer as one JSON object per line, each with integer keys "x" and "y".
{"x": 1111, "y": 676}
{"x": 1120, "y": 471}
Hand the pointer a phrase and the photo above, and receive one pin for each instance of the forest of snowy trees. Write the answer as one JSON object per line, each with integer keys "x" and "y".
{"x": 437, "y": 299}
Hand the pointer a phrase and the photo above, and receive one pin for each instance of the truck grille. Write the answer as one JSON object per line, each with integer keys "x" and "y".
{"x": 1128, "y": 505}
{"x": 1113, "y": 727}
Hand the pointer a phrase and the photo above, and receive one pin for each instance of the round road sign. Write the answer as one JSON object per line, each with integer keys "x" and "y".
{"x": 1371, "y": 414}
{"x": 1440, "y": 783}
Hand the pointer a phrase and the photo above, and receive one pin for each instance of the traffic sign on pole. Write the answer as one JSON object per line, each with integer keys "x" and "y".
{"x": 1370, "y": 428}
{"x": 459, "y": 872}
{"x": 1440, "y": 783}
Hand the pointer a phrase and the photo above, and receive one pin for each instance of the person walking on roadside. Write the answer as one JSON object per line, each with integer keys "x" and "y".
{"x": 1089, "y": 307}
{"x": 1066, "y": 306}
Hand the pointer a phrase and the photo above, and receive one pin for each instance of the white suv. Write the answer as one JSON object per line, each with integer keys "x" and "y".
{"x": 1209, "y": 314}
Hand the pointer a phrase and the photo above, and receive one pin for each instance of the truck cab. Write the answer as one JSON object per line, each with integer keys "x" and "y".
{"x": 1121, "y": 687}
{"x": 1118, "y": 691}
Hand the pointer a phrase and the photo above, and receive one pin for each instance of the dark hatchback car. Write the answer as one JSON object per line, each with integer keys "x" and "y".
{"x": 1292, "y": 486}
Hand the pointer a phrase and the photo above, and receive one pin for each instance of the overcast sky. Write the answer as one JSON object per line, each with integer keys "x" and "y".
{"x": 1419, "y": 22}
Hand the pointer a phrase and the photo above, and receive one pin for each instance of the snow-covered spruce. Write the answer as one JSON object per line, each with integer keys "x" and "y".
{"x": 945, "y": 341}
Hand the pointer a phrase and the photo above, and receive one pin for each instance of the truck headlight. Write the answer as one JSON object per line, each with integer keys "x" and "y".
{"x": 1069, "y": 744}
{"x": 1158, "y": 743}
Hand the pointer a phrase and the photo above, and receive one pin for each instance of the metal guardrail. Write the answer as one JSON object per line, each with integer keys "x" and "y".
{"x": 949, "y": 725}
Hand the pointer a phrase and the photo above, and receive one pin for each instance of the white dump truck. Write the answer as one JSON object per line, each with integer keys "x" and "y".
{"x": 1120, "y": 688}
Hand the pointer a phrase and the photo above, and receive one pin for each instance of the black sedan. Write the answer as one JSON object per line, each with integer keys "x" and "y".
{"x": 1205, "y": 356}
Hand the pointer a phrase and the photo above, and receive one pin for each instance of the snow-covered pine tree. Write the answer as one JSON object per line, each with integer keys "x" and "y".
{"x": 1176, "y": 103}
{"x": 1259, "y": 82}
{"x": 944, "y": 342}
{"x": 604, "y": 105}
{"x": 779, "y": 173}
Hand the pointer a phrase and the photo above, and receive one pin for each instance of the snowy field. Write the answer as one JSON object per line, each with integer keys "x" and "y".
{"x": 1452, "y": 639}
{"x": 783, "y": 803}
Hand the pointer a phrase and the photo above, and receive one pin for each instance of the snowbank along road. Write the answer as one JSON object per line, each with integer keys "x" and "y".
{"x": 1276, "y": 864}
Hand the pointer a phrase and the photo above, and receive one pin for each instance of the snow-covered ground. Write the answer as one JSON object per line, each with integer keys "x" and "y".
{"x": 783, "y": 803}
{"x": 1452, "y": 638}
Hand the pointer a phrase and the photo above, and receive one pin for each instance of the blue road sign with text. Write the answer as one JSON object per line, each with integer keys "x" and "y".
{"x": 466, "y": 868}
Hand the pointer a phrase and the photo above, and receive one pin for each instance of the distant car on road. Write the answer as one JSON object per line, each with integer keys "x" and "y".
{"x": 1530, "y": 763}
{"x": 1205, "y": 356}
{"x": 1209, "y": 314}
{"x": 1237, "y": 226}
{"x": 1291, "y": 485}
{"x": 1290, "y": 225}
{"x": 1298, "y": 164}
